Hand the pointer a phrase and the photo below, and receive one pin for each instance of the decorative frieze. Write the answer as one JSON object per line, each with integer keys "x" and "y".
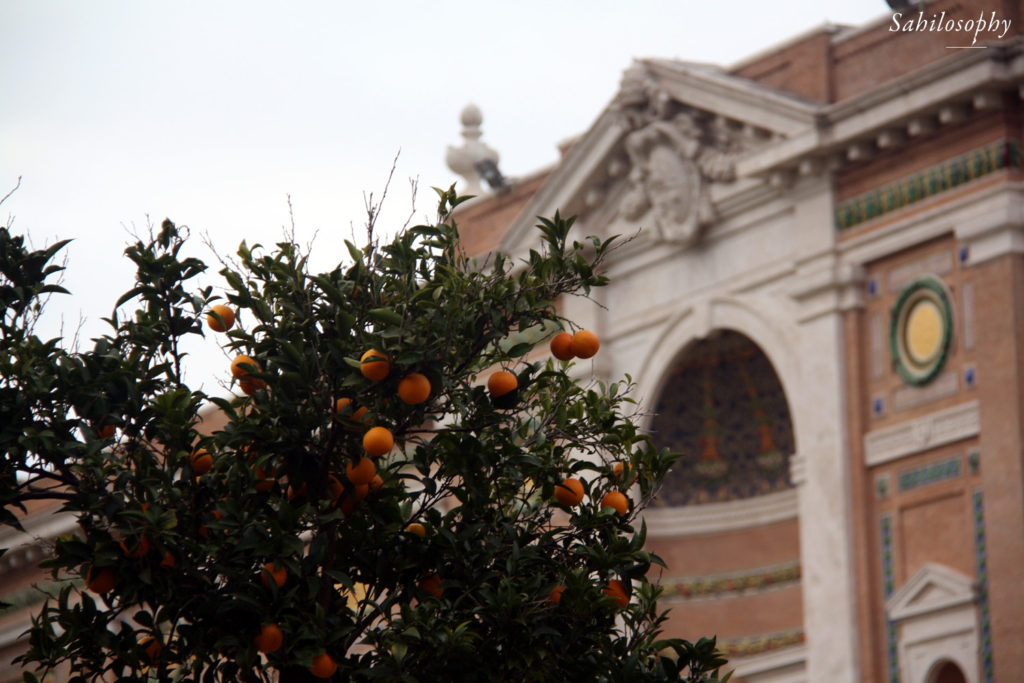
{"x": 928, "y": 183}
{"x": 913, "y": 436}
{"x": 753, "y": 645}
{"x": 751, "y": 580}
{"x": 932, "y": 473}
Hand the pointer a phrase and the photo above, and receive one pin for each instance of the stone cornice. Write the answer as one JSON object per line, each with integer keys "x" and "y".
{"x": 718, "y": 517}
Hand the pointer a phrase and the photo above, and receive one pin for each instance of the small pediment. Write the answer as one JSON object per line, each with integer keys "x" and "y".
{"x": 650, "y": 159}
{"x": 933, "y": 588}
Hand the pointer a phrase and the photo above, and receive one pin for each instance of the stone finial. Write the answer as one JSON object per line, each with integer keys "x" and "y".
{"x": 472, "y": 155}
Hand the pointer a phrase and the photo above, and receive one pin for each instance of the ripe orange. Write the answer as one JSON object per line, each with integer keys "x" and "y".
{"x": 417, "y": 528}
{"x": 376, "y": 482}
{"x": 569, "y": 493}
{"x": 202, "y": 461}
{"x": 240, "y": 366}
{"x": 362, "y": 491}
{"x": 348, "y": 505}
{"x": 431, "y": 583}
{"x": 168, "y": 562}
{"x": 555, "y": 595}
{"x": 271, "y": 572}
{"x": 323, "y": 666}
{"x": 560, "y": 346}
{"x": 295, "y": 492}
{"x": 136, "y": 548}
{"x": 334, "y": 487}
{"x": 377, "y": 441}
{"x": 622, "y": 470}
{"x": 616, "y": 500}
{"x": 264, "y": 479}
{"x": 616, "y": 590}
{"x": 269, "y": 639}
{"x": 152, "y": 647}
{"x": 414, "y": 388}
{"x": 357, "y": 413}
{"x": 375, "y": 365}
{"x": 361, "y": 472}
{"x": 584, "y": 344}
{"x": 226, "y": 314}
{"x": 102, "y": 581}
{"x": 501, "y": 383}
{"x": 106, "y": 431}
{"x": 250, "y": 385}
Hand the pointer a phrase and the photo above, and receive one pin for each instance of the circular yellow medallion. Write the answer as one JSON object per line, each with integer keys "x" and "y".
{"x": 924, "y": 331}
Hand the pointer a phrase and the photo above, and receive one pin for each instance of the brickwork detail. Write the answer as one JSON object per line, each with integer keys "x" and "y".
{"x": 928, "y": 183}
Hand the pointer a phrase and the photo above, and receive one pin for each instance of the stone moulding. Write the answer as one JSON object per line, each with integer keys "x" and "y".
{"x": 980, "y": 162}
{"x": 751, "y": 580}
{"x": 914, "y": 436}
{"x": 753, "y": 645}
{"x": 718, "y": 517}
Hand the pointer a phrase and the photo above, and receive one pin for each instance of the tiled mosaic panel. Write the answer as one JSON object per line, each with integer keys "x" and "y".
{"x": 724, "y": 409}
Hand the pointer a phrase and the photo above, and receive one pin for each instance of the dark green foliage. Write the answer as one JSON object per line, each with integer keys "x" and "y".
{"x": 478, "y": 473}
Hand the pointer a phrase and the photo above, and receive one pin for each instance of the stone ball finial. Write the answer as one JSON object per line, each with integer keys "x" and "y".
{"x": 466, "y": 159}
{"x": 471, "y": 116}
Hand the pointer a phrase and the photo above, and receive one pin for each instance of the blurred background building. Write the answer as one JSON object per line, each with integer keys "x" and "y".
{"x": 823, "y": 305}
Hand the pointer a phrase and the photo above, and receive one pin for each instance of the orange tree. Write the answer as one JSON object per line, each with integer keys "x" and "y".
{"x": 297, "y": 542}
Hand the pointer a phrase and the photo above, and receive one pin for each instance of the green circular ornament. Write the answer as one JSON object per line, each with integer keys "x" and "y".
{"x": 920, "y": 330}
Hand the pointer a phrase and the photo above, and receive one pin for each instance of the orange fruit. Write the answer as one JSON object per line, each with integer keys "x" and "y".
{"x": 431, "y": 583}
{"x": 376, "y": 482}
{"x": 106, "y": 431}
{"x": 334, "y": 487}
{"x": 622, "y": 470}
{"x": 323, "y": 666}
{"x": 616, "y": 590}
{"x": 414, "y": 388}
{"x": 226, "y": 315}
{"x": 168, "y": 562}
{"x": 417, "y": 528}
{"x": 202, "y": 461}
{"x": 555, "y": 595}
{"x": 560, "y": 346}
{"x": 616, "y": 500}
{"x": 361, "y": 472}
{"x": 240, "y": 366}
{"x": 375, "y": 365}
{"x": 377, "y": 441}
{"x": 269, "y": 639}
{"x": 501, "y": 383}
{"x": 357, "y": 414}
{"x": 271, "y": 572}
{"x": 250, "y": 385}
{"x": 584, "y": 344}
{"x": 152, "y": 647}
{"x": 264, "y": 479}
{"x": 348, "y": 505}
{"x": 569, "y": 493}
{"x": 295, "y": 492}
{"x": 102, "y": 581}
{"x": 137, "y": 548}
{"x": 362, "y": 491}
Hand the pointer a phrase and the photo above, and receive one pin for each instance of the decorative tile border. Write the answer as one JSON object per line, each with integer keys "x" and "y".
{"x": 932, "y": 473}
{"x": 981, "y": 563}
{"x": 928, "y": 183}
{"x": 754, "y": 645}
{"x": 733, "y": 582}
{"x": 888, "y": 585}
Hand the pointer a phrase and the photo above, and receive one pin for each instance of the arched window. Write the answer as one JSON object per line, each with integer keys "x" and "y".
{"x": 947, "y": 672}
{"x": 722, "y": 406}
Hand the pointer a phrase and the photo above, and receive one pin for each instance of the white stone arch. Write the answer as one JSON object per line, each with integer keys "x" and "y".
{"x": 757, "y": 319}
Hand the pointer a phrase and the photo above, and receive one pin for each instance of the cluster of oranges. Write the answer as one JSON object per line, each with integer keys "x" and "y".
{"x": 583, "y": 344}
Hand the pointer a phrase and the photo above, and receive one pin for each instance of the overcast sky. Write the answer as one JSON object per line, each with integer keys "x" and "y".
{"x": 212, "y": 113}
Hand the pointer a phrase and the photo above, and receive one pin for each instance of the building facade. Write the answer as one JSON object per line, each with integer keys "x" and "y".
{"x": 823, "y": 307}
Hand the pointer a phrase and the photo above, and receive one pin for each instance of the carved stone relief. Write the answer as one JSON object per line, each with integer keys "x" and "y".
{"x": 674, "y": 154}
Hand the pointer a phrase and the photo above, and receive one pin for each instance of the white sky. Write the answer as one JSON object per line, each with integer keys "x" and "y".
{"x": 211, "y": 113}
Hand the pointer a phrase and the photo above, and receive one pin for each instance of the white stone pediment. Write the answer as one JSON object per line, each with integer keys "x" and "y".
{"x": 652, "y": 156}
{"x": 933, "y": 588}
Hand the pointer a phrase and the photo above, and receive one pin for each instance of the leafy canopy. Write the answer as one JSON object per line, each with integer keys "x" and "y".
{"x": 499, "y": 582}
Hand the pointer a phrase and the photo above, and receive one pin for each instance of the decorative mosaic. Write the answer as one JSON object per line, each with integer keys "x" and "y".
{"x": 754, "y": 645}
{"x": 930, "y": 474}
{"x": 981, "y": 562}
{"x": 920, "y": 330}
{"x": 888, "y": 585}
{"x": 735, "y": 582}
{"x": 724, "y": 409}
{"x": 928, "y": 183}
